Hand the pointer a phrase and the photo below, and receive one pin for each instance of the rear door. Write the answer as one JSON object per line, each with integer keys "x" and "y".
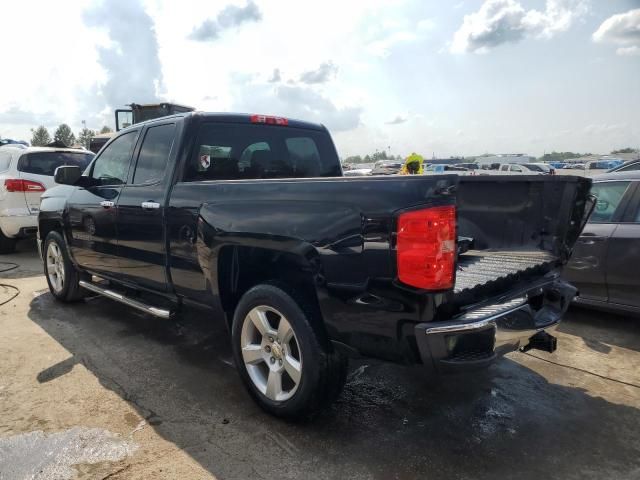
{"x": 587, "y": 269}
{"x": 142, "y": 249}
{"x": 92, "y": 210}
{"x": 623, "y": 258}
{"x": 39, "y": 167}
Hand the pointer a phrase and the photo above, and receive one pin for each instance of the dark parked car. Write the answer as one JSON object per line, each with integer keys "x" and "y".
{"x": 250, "y": 217}
{"x": 605, "y": 265}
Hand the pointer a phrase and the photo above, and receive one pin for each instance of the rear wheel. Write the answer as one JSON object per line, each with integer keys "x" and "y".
{"x": 62, "y": 276}
{"x": 7, "y": 245}
{"x": 285, "y": 361}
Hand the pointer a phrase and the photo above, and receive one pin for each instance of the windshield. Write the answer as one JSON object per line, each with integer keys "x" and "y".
{"x": 45, "y": 163}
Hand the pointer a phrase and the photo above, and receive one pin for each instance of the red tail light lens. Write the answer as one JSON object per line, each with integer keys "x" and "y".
{"x": 426, "y": 248}
{"x": 18, "y": 185}
{"x": 269, "y": 120}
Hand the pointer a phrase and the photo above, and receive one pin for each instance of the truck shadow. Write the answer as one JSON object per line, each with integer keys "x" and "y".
{"x": 389, "y": 422}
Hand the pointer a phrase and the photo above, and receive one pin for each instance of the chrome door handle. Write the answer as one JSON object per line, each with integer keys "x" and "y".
{"x": 590, "y": 240}
{"x": 107, "y": 204}
{"x": 150, "y": 205}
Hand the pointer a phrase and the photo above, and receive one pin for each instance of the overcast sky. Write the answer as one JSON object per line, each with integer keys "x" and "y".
{"x": 445, "y": 77}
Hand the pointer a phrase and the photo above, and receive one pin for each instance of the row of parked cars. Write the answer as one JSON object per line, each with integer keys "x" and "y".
{"x": 385, "y": 167}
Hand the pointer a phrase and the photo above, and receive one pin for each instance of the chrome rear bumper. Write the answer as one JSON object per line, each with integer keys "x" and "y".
{"x": 477, "y": 337}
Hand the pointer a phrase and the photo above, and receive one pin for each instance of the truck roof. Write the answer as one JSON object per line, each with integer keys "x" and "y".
{"x": 225, "y": 117}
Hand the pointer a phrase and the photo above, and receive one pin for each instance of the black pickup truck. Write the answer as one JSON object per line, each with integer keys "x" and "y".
{"x": 250, "y": 216}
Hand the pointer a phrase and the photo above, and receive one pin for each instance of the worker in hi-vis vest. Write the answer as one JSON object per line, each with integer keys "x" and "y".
{"x": 413, "y": 165}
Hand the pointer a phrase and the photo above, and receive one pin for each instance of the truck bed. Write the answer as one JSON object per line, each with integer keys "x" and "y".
{"x": 481, "y": 267}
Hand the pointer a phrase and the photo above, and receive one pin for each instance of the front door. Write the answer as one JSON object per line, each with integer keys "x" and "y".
{"x": 623, "y": 259}
{"x": 587, "y": 269}
{"x": 142, "y": 248}
{"x": 92, "y": 210}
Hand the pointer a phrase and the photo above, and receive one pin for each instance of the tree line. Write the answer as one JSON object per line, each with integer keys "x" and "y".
{"x": 372, "y": 157}
{"x": 561, "y": 156}
{"x": 40, "y": 136}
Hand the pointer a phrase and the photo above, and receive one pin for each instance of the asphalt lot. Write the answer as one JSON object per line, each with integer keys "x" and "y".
{"x": 123, "y": 395}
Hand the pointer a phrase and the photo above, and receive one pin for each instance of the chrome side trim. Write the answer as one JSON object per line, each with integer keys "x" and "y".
{"x": 156, "y": 312}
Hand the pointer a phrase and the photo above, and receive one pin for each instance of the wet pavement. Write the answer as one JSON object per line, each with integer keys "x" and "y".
{"x": 168, "y": 394}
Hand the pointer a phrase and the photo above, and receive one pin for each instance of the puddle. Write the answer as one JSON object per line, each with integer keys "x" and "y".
{"x": 39, "y": 456}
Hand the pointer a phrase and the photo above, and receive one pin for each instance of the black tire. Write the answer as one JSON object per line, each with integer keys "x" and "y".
{"x": 323, "y": 370}
{"x": 71, "y": 290}
{"x": 7, "y": 245}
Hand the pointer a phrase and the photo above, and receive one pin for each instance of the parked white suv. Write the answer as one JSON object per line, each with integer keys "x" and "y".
{"x": 25, "y": 173}
{"x": 525, "y": 169}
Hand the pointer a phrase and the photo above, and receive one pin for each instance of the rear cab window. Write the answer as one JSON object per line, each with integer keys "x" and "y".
{"x": 45, "y": 163}
{"x": 226, "y": 151}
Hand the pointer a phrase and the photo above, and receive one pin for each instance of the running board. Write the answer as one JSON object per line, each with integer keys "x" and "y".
{"x": 118, "y": 297}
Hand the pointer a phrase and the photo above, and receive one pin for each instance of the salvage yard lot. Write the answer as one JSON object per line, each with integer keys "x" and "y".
{"x": 167, "y": 391}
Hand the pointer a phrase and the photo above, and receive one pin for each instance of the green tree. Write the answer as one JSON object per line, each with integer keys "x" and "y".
{"x": 65, "y": 135}
{"x": 105, "y": 129}
{"x": 84, "y": 137}
{"x": 40, "y": 136}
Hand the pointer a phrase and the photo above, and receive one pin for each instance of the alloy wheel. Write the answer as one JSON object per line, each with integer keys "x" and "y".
{"x": 271, "y": 353}
{"x": 55, "y": 267}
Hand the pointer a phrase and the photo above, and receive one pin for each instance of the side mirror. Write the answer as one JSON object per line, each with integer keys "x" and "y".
{"x": 67, "y": 175}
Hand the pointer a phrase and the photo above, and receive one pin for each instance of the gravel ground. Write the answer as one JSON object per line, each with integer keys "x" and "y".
{"x": 97, "y": 390}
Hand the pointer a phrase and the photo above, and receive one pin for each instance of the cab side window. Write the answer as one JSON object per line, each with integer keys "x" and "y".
{"x": 154, "y": 154}
{"x": 112, "y": 166}
{"x": 608, "y": 195}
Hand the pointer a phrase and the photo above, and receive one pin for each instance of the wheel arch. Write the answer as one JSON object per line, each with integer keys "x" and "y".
{"x": 239, "y": 268}
{"x": 47, "y": 225}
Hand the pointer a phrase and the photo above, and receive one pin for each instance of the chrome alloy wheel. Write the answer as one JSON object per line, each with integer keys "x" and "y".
{"x": 271, "y": 353}
{"x": 55, "y": 267}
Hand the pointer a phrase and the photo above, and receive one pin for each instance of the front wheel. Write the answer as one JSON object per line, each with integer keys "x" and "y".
{"x": 62, "y": 276}
{"x": 285, "y": 361}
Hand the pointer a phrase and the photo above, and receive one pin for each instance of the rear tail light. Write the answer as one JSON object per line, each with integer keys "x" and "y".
{"x": 18, "y": 185}
{"x": 269, "y": 120}
{"x": 426, "y": 248}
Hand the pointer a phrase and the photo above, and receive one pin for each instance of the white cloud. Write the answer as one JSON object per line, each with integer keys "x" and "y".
{"x": 322, "y": 74}
{"x": 294, "y": 101}
{"x": 397, "y": 120}
{"x": 623, "y": 30}
{"x": 229, "y": 17}
{"x": 128, "y": 60}
{"x": 506, "y": 21}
